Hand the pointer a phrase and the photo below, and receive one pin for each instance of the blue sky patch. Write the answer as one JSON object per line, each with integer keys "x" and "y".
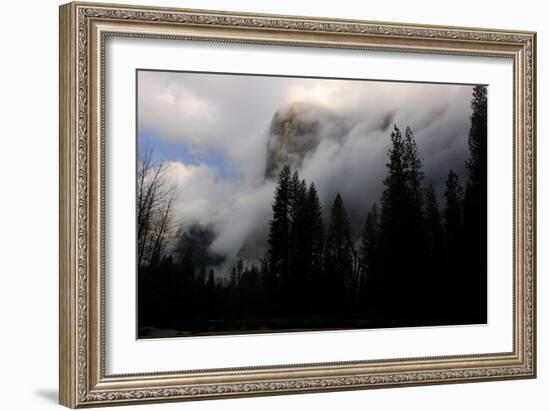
{"x": 175, "y": 151}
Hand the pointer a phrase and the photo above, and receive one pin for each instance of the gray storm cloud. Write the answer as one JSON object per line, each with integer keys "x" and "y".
{"x": 336, "y": 133}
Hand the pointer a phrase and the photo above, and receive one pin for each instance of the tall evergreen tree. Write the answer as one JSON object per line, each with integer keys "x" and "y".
{"x": 316, "y": 231}
{"x": 200, "y": 280}
{"x": 453, "y": 210}
{"x": 369, "y": 254}
{"x": 339, "y": 254}
{"x": 233, "y": 278}
{"x": 433, "y": 224}
{"x": 394, "y": 200}
{"x": 240, "y": 269}
{"x": 416, "y": 229}
{"x": 394, "y": 196}
{"x": 477, "y": 138}
{"x": 314, "y": 243}
{"x": 456, "y": 282}
{"x": 436, "y": 277}
{"x": 279, "y": 231}
{"x": 401, "y": 238}
{"x": 294, "y": 286}
{"x": 475, "y": 205}
{"x": 265, "y": 277}
{"x": 414, "y": 173}
{"x": 297, "y": 193}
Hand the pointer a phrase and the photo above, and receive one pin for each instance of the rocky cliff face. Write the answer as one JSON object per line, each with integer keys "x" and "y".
{"x": 296, "y": 129}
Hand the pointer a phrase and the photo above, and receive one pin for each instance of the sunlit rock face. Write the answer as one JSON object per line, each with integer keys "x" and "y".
{"x": 296, "y": 129}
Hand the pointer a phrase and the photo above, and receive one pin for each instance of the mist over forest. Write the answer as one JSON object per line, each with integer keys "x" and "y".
{"x": 223, "y": 139}
{"x": 302, "y": 191}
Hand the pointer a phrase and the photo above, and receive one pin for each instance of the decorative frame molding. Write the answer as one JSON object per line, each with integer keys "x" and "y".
{"x": 83, "y": 30}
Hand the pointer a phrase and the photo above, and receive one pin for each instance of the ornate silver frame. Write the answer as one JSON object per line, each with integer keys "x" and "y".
{"x": 83, "y": 30}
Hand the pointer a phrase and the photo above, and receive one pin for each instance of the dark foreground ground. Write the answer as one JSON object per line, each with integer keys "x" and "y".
{"x": 214, "y": 327}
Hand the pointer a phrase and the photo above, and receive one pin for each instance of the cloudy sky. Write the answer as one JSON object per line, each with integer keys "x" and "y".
{"x": 216, "y": 131}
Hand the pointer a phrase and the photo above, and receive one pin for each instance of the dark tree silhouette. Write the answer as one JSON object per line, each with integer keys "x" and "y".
{"x": 294, "y": 285}
{"x": 433, "y": 224}
{"x": 234, "y": 280}
{"x": 339, "y": 256}
{"x": 314, "y": 249}
{"x": 453, "y": 212}
{"x": 279, "y": 234}
{"x": 455, "y": 285}
{"x": 417, "y": 281}
{"x": 401, "y": 247}
{"x": 477, "y": 138}
{"x": 210, "y": 282}
{"x": 369, "y": 254}
{"x": 436, "y": 276}
{"x": 414, "y": 174}
{"x": 316, "y": 231}
{"x": 475, "y": 205}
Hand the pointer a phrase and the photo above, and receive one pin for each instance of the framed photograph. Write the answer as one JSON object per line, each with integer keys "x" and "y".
{"x": 259, "y": 204}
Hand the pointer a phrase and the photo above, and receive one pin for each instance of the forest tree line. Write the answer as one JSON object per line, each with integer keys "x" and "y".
{"x": 416, "y": 262}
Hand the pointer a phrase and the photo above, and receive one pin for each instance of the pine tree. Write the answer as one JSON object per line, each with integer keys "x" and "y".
{"x": 210, "y": 282}
{"x": 294, "y": 285}
{"x": 414, "y": 174}
{"x": 316, "y": 231}
{"x": 313, "y": 251}
{"x": 416, "y": 229}
{"x": 368, "y": 255}
{"x": 279, "y": 230}
{"x": 240, "y": 270}
{"x": 201, "y": 276}
{"x": 339, "y": 254}
{"x": 402, "y": 239}
{"x": 297, "y": 197}
{"x": 477, "y": 138}
{"x": 233, "y": 277}
{"x": 264, "y": 289}
{"x": 436, "y": 278}
{"x": 394, "y": 196}
{"x": 475, "y": 206}
{"x": 456, "y": 284}
{"x": 393, "y": 283}
{"x": 453, "y": 209}
{"x": 433, "y": 224}
{"x": 369, "y": 240}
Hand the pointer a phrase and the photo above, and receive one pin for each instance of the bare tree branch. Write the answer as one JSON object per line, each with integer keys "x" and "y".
{"x": 155, "y": 201}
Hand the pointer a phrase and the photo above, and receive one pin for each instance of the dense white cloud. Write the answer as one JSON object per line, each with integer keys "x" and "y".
{"x": 234, "y": 210}
{"x": 232, "y": 114}
{"x": 200, "y": 192}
